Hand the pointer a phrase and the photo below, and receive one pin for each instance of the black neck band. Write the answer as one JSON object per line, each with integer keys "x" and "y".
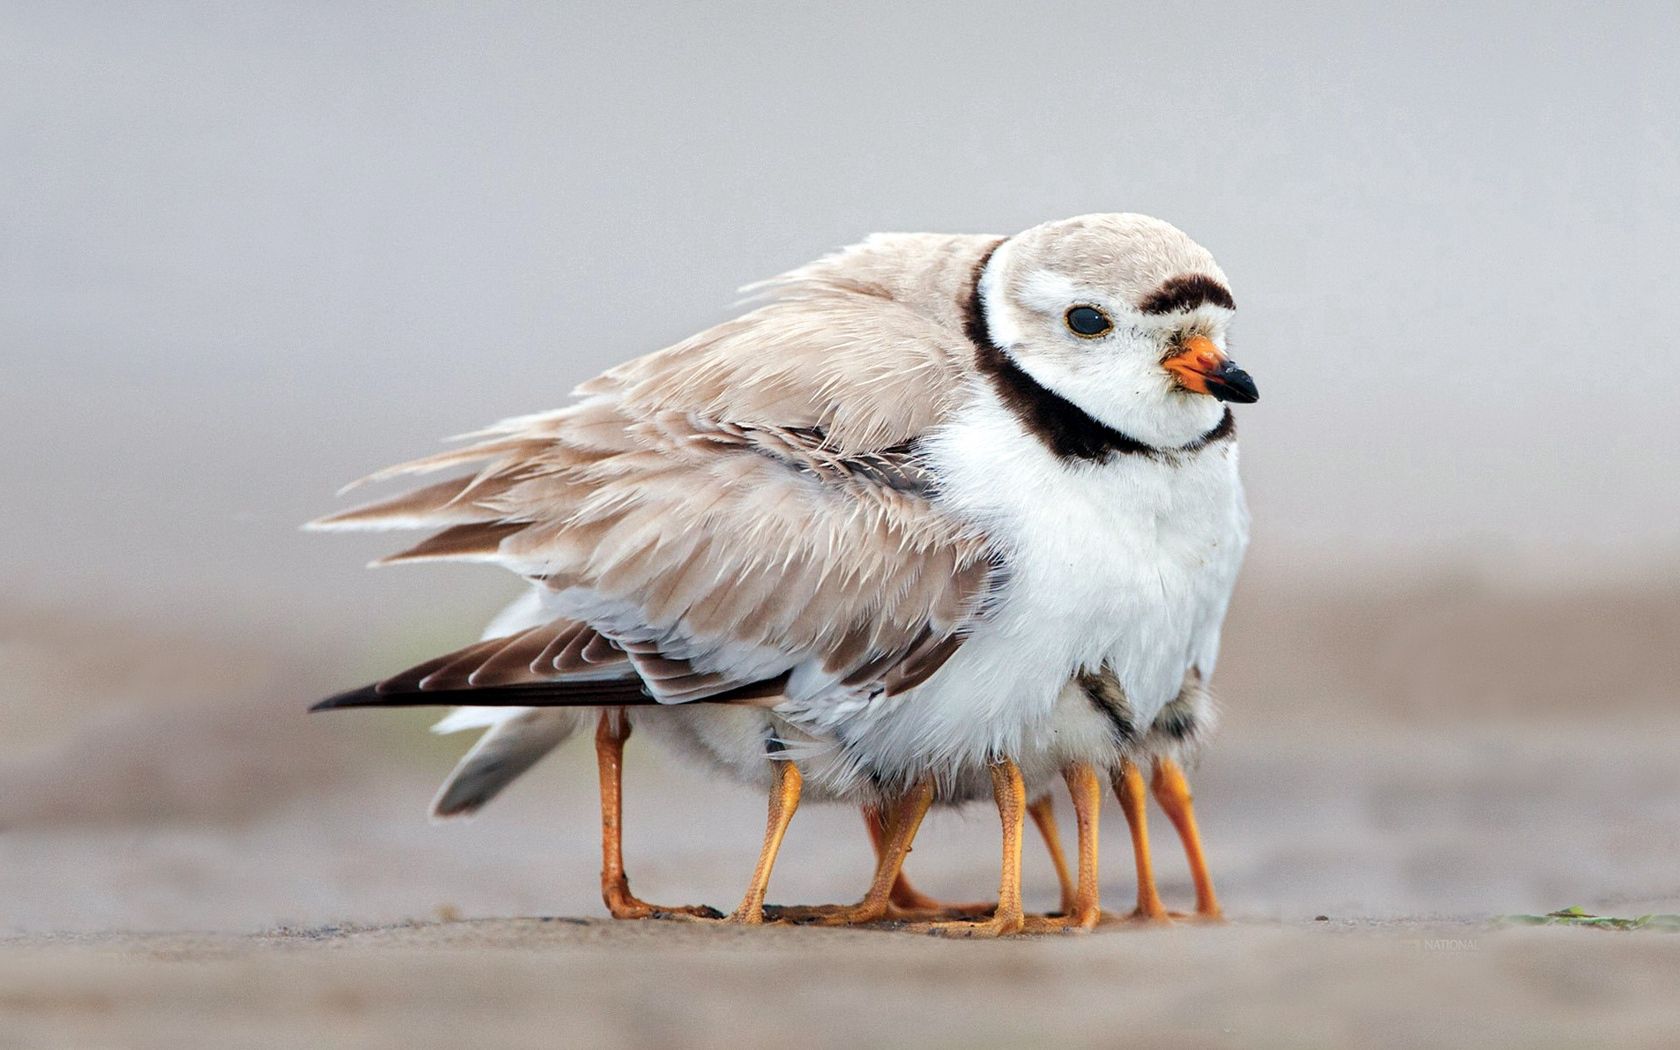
{"x": 1065, "y": 428}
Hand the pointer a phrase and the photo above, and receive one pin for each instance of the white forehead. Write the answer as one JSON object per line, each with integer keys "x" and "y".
{"x": 1116, "y": 260}
{"x": 1050, "y": 294}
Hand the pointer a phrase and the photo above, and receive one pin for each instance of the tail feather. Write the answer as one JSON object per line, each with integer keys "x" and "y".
{"x": 511, "y": 746}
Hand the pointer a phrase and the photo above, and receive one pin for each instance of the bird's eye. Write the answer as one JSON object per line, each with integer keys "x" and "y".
{"x": 1087, "y": 322}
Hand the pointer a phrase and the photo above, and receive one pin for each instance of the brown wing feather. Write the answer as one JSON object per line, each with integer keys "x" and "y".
{"x": 513, "y": 663}
{"x": 479, "y": 539}
{"x": 755, "y": 488}
{"x": 429, "y": 504}
{"x": 498, "y": 672}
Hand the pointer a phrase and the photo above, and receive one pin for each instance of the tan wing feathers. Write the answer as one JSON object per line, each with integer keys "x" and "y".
{"x": 920, "y": 663}
{"x": 673, "y": 680}
{"x": 516, "y": 662}
{"x": 732, "y": 594}
{"x": 756, "y": 485}
{"x": 423, "y": 507}
{"x": 860, "y": 371}
{"x": 851, "y": 649}
{"x": 457, "y": 674}
{"x": 553, "y": 656}
{"x": 688, "y": 575}
{"x": 866, "y": 344}
{"x": 460, "y": 500}
{"x": 599, "y": 650}
{"x": 411, "y": 679}
{"x": 480, "y": 541}
{"x": 508, "y": 449}
{"x": 872, "y": 668}
{"x": 571, "y": 657}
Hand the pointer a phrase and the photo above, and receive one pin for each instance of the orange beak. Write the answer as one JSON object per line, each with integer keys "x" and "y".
{"x": 1201, "y": 368}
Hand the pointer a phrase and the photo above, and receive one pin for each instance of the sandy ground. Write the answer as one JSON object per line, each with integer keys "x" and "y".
{"x": 597, "y": 983}
{"x": 186, "y": 860}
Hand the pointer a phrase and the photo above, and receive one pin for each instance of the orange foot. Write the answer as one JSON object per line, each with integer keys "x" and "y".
{"x": 1137, "y": 917}
{"x": 996, "y": 926}
{"x": 1060, "y": 923}
{"x": 912, "y": 904}
{"x": 1163, "y": 917}
{"x": 926, "y": 909}
{"x": 622, "y": 904}
{"x": 639, "y": 909}
{"x": 867, "y": 912}
{"x": 686, "y": 913}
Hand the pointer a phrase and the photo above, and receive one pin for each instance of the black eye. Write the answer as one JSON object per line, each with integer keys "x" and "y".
{"x": 1088, "y": 322}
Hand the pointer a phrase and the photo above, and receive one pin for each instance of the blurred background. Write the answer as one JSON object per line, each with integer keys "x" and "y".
{"x": 249, "y": 252}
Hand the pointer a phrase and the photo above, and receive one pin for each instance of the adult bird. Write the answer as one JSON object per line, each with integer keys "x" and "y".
{"x": 902, "y": 505}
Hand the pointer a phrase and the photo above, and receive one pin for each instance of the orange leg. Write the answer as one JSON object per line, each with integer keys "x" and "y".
{"x": 905, "y": 901}
{"x": 1172, "y": 791}
{"x": 610, "y": 736}
{"x": 1011, "y": 796}
{"x": 1085, "y": 911}
{"x": 902, "y": 894}
{"x": 784, "y": 801}
{"x": 877, "y": 903}
{"x": 1043, "y": 813}
{"x": 1129, "y": 789}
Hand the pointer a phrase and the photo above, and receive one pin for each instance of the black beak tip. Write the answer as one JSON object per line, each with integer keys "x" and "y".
{"x": 1232, "y": 384}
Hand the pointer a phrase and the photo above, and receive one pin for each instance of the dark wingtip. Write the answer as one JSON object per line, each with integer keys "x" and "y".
{"x": 606, "y": 693}
{"x": 372, "y": 696}
{"x": 366, "y": 696}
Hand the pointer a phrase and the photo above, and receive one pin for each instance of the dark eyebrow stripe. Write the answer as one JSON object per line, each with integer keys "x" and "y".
{"x": 1186, "y": 292}
{"x": 1064, "y": 428}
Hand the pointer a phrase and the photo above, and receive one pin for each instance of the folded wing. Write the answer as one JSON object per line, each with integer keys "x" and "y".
{"x": 746, "y": 507}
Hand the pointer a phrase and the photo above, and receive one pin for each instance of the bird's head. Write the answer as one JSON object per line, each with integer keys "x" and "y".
{"x": 1122, "y": 315}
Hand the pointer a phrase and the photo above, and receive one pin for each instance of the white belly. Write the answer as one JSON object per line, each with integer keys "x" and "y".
{"x": 1129, "y": 562}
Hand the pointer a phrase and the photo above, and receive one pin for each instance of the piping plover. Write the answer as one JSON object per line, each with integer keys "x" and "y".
{"x": 902, "y": 505}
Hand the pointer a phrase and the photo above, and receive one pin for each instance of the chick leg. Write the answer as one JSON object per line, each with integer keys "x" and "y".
{"x": 1011, "y": 796}
{"x": 610, "y": 736}
{"x": 912, "y": 903}
{"x": 785, "y": 785}
{"x": 900, "y": 833}
{"x": 1085, "y": 909}
{"x": 1172, "y": 792}
{"x": 1043, "y": 813}
{"x": 904, "y": 900}
{"x": 1129, "y": 790}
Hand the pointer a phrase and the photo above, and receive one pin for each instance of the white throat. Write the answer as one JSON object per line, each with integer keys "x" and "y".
{"x": 1121, "y": 386}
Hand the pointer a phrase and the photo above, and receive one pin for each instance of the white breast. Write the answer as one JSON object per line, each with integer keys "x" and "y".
{"x": 1129, "y": 561}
